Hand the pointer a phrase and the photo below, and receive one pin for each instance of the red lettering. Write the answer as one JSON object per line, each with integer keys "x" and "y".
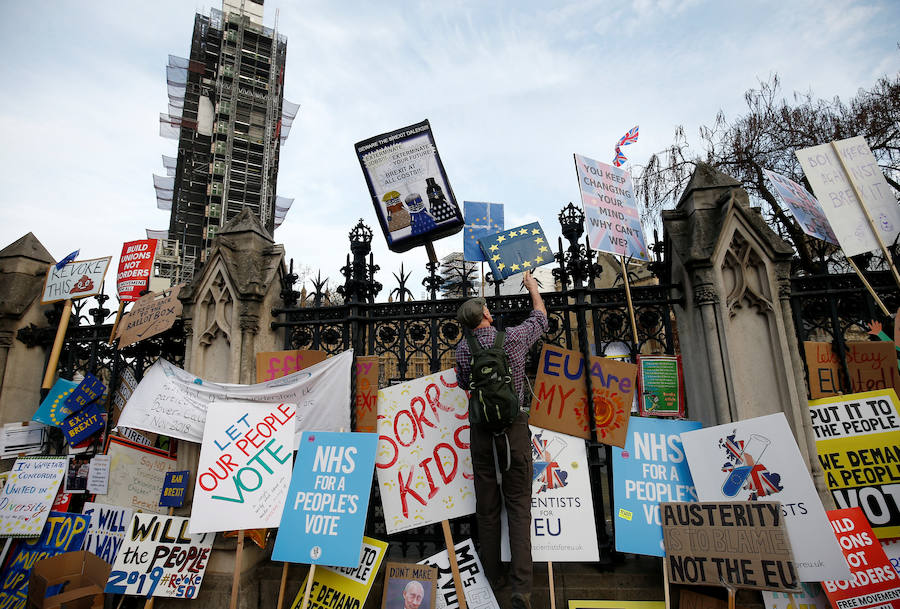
{"x": 412, "y": 421}
{"x": 432, "y": 489}
{"x": 406, "y": 490}
{"x": 447, "y": 478}
{"x": 393, "y": 459}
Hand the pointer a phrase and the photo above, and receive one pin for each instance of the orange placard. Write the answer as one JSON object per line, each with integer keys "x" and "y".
{"x": 367, "y": 371}
{"x": 272, "y": 365}
{"x": 872, "y": 365}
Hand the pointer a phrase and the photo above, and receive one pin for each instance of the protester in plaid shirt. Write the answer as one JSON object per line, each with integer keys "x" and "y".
{"x": 513, "y": 448}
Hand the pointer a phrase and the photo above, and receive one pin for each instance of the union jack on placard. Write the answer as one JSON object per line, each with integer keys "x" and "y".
{"x": 629, "y": 138}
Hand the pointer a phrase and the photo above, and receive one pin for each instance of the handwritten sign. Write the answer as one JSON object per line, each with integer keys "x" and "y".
{"x": 858, "y": 442}
{"x": 806, "y": 210}
{"x": 423, "y": 463}
{"x": 660, "y": 385}
{"x": 649, "y": 470}
{"x": 367, "y": 372}
{"x": 173, "y": 402}
{"x": 244, "y": 467}
{"x": 98, "y": 475}
{"x": 560, "y": 395}
{"x": 135, "y": 266}
{"x": 874, "y": 582}
{"x": 83, "y": 424}
{"x": 159, "y": 558}
{"x": 872, "y": 365}
{"x": 61, "y": 532}
{"x": 77, "y": 279}
{"x": 326, "y": 507}
{"x": 106, "y": 529}
{"x": 28, "y": 495}
{"x": 136, "y": 475}
{"x": 271, "y": 365}
{"x": 88, "y": 391}
{"x": 151, "y": 315}
{"x": 346, "y": 587}
{"x": 174, "y": 488}
{"x": 476, "y": 587}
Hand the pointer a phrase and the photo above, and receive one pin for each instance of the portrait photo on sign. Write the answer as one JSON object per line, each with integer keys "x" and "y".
{"x": 409, "y": 586}
{"x": 77, "y": 474}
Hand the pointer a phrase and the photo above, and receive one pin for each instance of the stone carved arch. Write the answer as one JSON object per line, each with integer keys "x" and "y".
{"x": 746, "y": 278}
{"x": 217, "y": 305}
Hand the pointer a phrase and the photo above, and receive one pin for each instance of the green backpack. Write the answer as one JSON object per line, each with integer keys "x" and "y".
{"x": 493, "y": 402}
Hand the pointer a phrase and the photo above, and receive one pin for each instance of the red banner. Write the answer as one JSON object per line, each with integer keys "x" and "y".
{"x": 135, "y": 267}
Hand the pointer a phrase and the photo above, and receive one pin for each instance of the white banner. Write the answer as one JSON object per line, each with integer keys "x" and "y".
{"x": 173, "y": 402}
{"x": 475, "y": 583}
{"x": 423, "y": 463}
{"x": 244, "y": 468}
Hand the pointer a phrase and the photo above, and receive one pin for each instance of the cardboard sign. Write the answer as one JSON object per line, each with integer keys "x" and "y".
{"x": 482, "y": 219}
{"x": 327, "y": 503}
{"x": 272, "y": 365}
{"x": 136, "y": 475}
{"x": 174, "y": 487}
{"x": 135, "y": 268}
{"x": 758, "y": 459}
{"x": 660, "y": 385}
{"x": 423, "y": 462}
{"x": 244, "y": 467}
{"x": 77, "y": 279}
{"x": 521, "y": 249}
{"x": 53, "y": 409}
{"x": 833, "y": 186}
{"x": 806, "y": 209}
{"x": 416, "y": 581}
{"x": 151, "y": 315}
{"x": 98, "y": 475}
{"x": 367, "y": 373}
{"x": 649, "y": 470}
{"x": 173, "y": 402}
{"x": 562, "y": 513}
{"x": 610, "y": 209}
{"x": 88, "y": 391}
{"x": 872, "y": 365}
{"x": 159, "y": 558}
{"x": 560, "y": 395}
{"x": 22, "y": 439}
{"x": 82, "y": 425}
{"x": 28, "y": 495}
{"x": 61, "y": 532}
{"x": 858, "y": 442}
{"x": 875, "y": 583}
{"x": 743, "y": 544}
{"x": 346, "y": 587}
{"x": 476, "y": 587}
{"x": 106, "y": 529}
{"x": 409, "y": 188}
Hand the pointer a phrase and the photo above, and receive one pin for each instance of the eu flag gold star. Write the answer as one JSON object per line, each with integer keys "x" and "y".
{"x": 513, "y": 233}
{"x": 501, "y": 239}
{"x": 526, "y": 264}
{"x": 514, "y": 267}
{"x": 539, "y": 260}
{"x": 535, "y": 231}
{"x": 501, "y": 266}
{"x": 539, "y": 240}
{"x": 495, "y": 257}
{"x": 543, "y": 249}
{"x": 494, "y": 247}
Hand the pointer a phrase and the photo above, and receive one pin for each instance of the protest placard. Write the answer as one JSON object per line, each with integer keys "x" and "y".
{"x": 560, "y": 395}
{"x": 271, "y": 365}
{"x": 28, "y": 495}
{"x": 106, "y": 529}
{"x": 160, "y": 558}
{"x": 423, "y": 463}
{"x": 858, "y": 443}
{"x": 562, "y": 513}
{"x": 874, "y": 582}
{"x": 53, "y": 409}
{"x": 173, "y": 402}
{"x": 871, "y": 365}
{"x": 83, "y": 424}
{"x": 649, "y": 470}
{"x": 891, "y": 549}
{"x": 476, "y": 587}
{"x": 327, "y": 503}
{"x": 22, "y": 439}
{"x": 660, "y": 385}
{"x": 135, "y": 267}
{"x": 136, "y": 475}
{"x": 409, "y": 188}
{"x": 244, "y": 467}
{"x": 174, "y": 487}
{"x": 127, "y": 384}
{"x": 402, "y": 579}
{"x": 743, "y": 544}
{"x": 610, "y": 209}
{"x": 367, "y": 372}
{"x": 98, "y": 475}
{"x": 77, "y": 279}
{"x": 87, "y": 392}
{"x": 833, "y": 175}
{"x": 810, "y": 596}
{"x": 520, "y": 249}
{"x": 151, "y": 314}
{"x": 482, "y": 219}
{"x": 346, "y": 587}
{"x": 60, "y": 532}
{"x": 758, "y": 459}
{"x": 77, "y": 474}
{"x": 806, "y": 209}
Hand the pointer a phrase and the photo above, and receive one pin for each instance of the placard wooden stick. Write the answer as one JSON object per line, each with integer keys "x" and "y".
{"x": 666, "y": 583}
{"x": 868, "y": 287}
{"x": 112, "y": 335}
{"x": 634, "y": 334}
{"x": 284, "y": 570}
{"x": 309, "y": 579}
{"x": 552, "y": 589}
{"x": 454, "y": 567}
{"x": 57, "y": 345}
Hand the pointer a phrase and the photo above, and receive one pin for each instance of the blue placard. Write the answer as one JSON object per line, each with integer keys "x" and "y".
{"x": 88, "y": 391}
{"x": 482, "y": 219}
{"x": 174, "y": 488}
{"x": 83, "y": 425}
{"x": 521, "y": 249}
{"x": 53, "y": 409}
{"x": 650, "y": 469}
{"x": 325, "y": 512}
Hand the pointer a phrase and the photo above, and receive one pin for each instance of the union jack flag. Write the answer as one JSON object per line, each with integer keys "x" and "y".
{"x": 547, "y": 472}
{"x": 620, "y": 158}
{"x": 761, "y": 482}
{"x": 629, "y": 138}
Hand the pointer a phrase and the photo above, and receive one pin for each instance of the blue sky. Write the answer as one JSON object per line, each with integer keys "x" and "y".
{"x": 512, "y": 89}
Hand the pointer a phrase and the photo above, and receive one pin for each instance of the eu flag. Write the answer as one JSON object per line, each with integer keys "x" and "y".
{"x": 481, "y": 219}
{"x": 517, "y": 250}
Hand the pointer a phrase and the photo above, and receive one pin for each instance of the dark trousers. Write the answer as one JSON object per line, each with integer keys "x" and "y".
{"x": 516, "y": 493}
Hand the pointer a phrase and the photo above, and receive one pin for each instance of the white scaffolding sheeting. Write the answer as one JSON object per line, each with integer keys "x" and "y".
{"x": 288, "y": 114}
{"x": 165, "y": 189}
{"x": 170, "y": 163}
{"x": 282, "y": 205}
{"x": 157, "y": 234}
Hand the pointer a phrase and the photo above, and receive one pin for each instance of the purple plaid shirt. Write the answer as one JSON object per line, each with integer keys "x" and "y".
{"x": 519, "y": 339}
